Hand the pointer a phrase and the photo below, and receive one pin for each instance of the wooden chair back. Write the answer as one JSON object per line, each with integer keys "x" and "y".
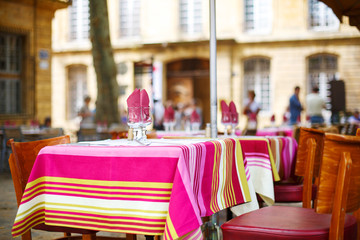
{"x": 339, "y": 185}
{"x": 358, "y": 132}
{"x": 13, "y": 132}
{"x": 23, "y": 157}
{"x": 87, "y": 134}
{"x": 52, "y": 132}
{"x": 309, "y": 173}
{"x": 302, "y": 152}
{"x": 118, "y": 134}
{"x": 151, "y": 135}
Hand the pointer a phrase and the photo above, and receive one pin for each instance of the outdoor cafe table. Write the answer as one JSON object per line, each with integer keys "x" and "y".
{"x": 275, "y": 131}
{"x": 161, "y": 189}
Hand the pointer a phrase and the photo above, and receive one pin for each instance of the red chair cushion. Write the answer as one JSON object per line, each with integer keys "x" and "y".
{"x": 290, "y": 192}
{"x": 50, "y": 228}
{"x": 282, "y": 222}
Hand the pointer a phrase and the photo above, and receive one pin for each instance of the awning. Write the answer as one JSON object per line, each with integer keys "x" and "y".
{"x": 350, "y": 8}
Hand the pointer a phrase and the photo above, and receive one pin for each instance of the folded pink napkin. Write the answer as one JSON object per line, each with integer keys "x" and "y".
{"x": 134, "y": 109}
{"x": 144, "y": 98}
{"x": 134, "y": 99}
{"x": 195, "y": 117}
{"x": 169, "y": 114}
{"x": 272, "y": 118}
{"x": 225, "y": 113}
{"x": 233, "y": 113}
{"x": 144, "y": 103}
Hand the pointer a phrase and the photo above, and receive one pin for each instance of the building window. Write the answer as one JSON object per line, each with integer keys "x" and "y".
{"x": 79, "y": 20}
{"x": 190, "y": 16}
{"x": 258, "y": 16}
{"x": 322, "y": 69}
{"x": 321, "y": 17}
{"x": 257, "y": 78}
{"x": 129, "y": 18}
{"x": 77, "y": 89}
{"x": 11, "y": 51}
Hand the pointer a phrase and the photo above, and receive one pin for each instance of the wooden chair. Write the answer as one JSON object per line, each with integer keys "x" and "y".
{"x": 151, "y": 135}
{"x": 8, "y": 133}
{"x": 52, "y": 132}
{"x": 87, "y": 134}
{"x": 21, "y": 162}
{"x": 118, "y": 134}
{"x": 338, "y": 193}
{"x": 294, "y": 190}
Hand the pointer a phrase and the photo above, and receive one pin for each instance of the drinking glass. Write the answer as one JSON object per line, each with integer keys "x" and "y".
{"x": 145, "y": 121}
{"x": 134, "y": 117}
{"x": 234, "y": 122}
{"x": 226, "y": 121}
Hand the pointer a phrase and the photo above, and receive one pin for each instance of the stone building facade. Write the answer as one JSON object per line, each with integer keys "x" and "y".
{"x": 25, "y": 59}
{"x": 269, "y": 46}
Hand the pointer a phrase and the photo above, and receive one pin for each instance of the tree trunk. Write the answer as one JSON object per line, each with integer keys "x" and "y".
{"x": 105, "y": 68}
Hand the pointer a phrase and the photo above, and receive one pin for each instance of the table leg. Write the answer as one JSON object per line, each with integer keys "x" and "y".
{"x": 130, "y": 236}
{"x": 229, "y": 214}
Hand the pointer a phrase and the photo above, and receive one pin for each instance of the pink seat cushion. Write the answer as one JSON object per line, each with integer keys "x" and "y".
{"x": 281, "y": 222}
{"x": 290, "y": 192}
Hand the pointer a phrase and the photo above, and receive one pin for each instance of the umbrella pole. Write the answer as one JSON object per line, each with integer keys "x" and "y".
{"x": 213, "y": 82}
{"x": 213, "y": 94}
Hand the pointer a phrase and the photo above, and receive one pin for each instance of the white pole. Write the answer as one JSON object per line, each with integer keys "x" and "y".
{"x": 213, "y": 81}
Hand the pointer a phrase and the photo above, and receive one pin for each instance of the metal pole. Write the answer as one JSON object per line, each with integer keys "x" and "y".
{"x": 213, "y": 82}
{"x": 213, "y": 96}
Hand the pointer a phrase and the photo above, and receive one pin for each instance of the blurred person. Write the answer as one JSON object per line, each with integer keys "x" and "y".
{"x": 87, "y": 116}
{"x": 355, "y": 118}
{"x": 295, "y": 107}
{"x": 46, "y": 124}
{"x": 315, "y": 104}
{"x": 159, "y": 111}
{"x": 179, "y": 116}
{"x": 251, "y": 110}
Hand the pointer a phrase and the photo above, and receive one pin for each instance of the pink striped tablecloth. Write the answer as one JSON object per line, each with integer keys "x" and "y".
{"x": 275, "y": 131}
{"x": 284, "y": 151}
{"x": 268, "y": 159}
{"x": 162, "y": 134}
{"x": 153, "y": 190}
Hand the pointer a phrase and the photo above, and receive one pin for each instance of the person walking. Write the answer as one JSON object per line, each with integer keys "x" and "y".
{"x": 87, "y": 116}
{"x": 295, "y": 107}
{"x": 315, "y": 104}
{"x": 251, "y": 110}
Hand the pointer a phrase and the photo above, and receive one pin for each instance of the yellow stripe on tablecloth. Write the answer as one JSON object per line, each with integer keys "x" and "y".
{"x": 74, "y": 214}
{"x": 222, "y": 174}
{"x": 193, "y": 233}
{"x": 171, "y": 228}
{"x": 214, "y": 186}
{"x": 273, "y": 166}
{"x": 99, "y": 188}
{"x": 32, "y": 209}
{"x": 24, "y": 227}
{"x": 64, "y": 221}
{"x": 227, "y": 170}
{"x": 99, "y": 228}
{"x": 95, "y": 194}
{"x": 100, "y": 182}
{"x": 232, "y": 190}
{"x": 241, "y": 171}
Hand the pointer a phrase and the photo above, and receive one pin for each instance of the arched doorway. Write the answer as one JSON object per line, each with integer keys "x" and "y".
{"x": 188, "y": 79}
